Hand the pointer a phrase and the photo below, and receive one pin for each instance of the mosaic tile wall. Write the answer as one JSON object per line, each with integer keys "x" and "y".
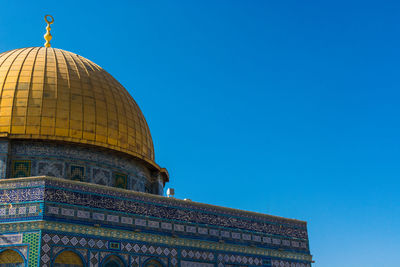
{"x": 3, "y": 158}
{"x": 36, "y": 183}
{"x": 180, "y": 228}
{"x": 95, "y": 249}
{"x": 97, "y": 221}
{"x": 27, "y": 244}
{"x": 89, "y": 204}
{"x": 21, "y": 212}
{"x": 281, "y": 263}
{"x": 99, "y": 166}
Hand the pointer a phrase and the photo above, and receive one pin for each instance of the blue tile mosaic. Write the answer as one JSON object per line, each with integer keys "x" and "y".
{"x": 36, "y": 158}
{"x": 58, "y": 201}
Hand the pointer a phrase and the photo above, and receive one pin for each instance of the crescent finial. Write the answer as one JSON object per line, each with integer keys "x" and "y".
{"x": 48, "y": 36}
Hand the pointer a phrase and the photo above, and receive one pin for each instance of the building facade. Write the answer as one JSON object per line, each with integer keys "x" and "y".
{"x": 80, "y": 186}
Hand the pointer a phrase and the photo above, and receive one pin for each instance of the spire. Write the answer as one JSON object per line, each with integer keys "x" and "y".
{"x": 48, "y": 36}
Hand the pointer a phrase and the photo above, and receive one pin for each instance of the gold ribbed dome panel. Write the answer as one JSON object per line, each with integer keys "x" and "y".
{"x": 52, "y": 94}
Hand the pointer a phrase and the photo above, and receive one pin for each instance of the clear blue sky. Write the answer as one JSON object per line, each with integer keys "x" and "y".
{"x": 289, "y": 108}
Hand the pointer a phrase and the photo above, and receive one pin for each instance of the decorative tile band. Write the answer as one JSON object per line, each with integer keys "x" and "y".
{"x": 110, "y": 202}
{"x": 128, "y": 221}
{"x": 153, "y": 199}
{"x": 18, "y": 212}
{"x": 170, "y": 213}
{"x": 30, "y": 194}
{"x": 281, "y": 263}
{"x": 11, "y": 239}
{"x": 36, "y": 158}
{"x": 167, "y": 212}
{"x": 33, "y": 239}
{"x": 138, "y": 252}
{"x": 195, "y": 264}
{"x": 151, "y": 238}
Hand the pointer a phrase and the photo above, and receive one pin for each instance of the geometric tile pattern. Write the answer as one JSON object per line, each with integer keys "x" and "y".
{"x": 49, "y": 158}
{"x": 175, "y": 210}
{"x": 21, "y": 168}
{"x": 147, "y": 205}
{"x": 50, "y": 168}
{"x": 3, "y": 167}
{"x": 134, "y": 261}
{"x": 101, "y": 176}
{"x": 21, "y": 195}
{"x": 20, "y": 211}
{"x": 77, "y": 173}
{"x": 280, "y": 263}
{"x": 33, "y": 239}
{"x": 198, "y": 255}
{"x": 239, "y": 259}
{"x": 10, "y": 239}
{"x": 170, "y": 213}
{"x": 149, "y": 249}
{"x": 125, "y": 220}
{"x": 120, "y": 180}
{"x": 122, "y": 210}
{"x": 94, "y": 258}
{"x": 195, "y": 264}
{"x": 99, "y": 249}
{"x": 162, "y": 240}
{"x": 100, "y": 222}
{"x": 48, "y": 250}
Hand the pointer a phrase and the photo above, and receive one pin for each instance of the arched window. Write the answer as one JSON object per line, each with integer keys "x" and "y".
{"x": 113, "y": 261}
{"x": 153, "y": 263}
{"x": 10, "y": 258}
{"x": 68, "y": 258}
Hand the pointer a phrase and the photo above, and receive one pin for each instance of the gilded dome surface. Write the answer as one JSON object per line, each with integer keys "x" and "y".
{"x": 52, "y": 94}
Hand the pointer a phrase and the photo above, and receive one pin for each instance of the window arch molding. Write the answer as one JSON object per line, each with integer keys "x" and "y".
{"x": 109, "y": 257}
{"x": 152, "y": 262}
{"x": 69, "y": 250}
{"x": 24, "y": 263}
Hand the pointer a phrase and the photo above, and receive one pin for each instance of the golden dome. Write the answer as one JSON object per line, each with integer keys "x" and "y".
{"x": 52, "y": 94}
